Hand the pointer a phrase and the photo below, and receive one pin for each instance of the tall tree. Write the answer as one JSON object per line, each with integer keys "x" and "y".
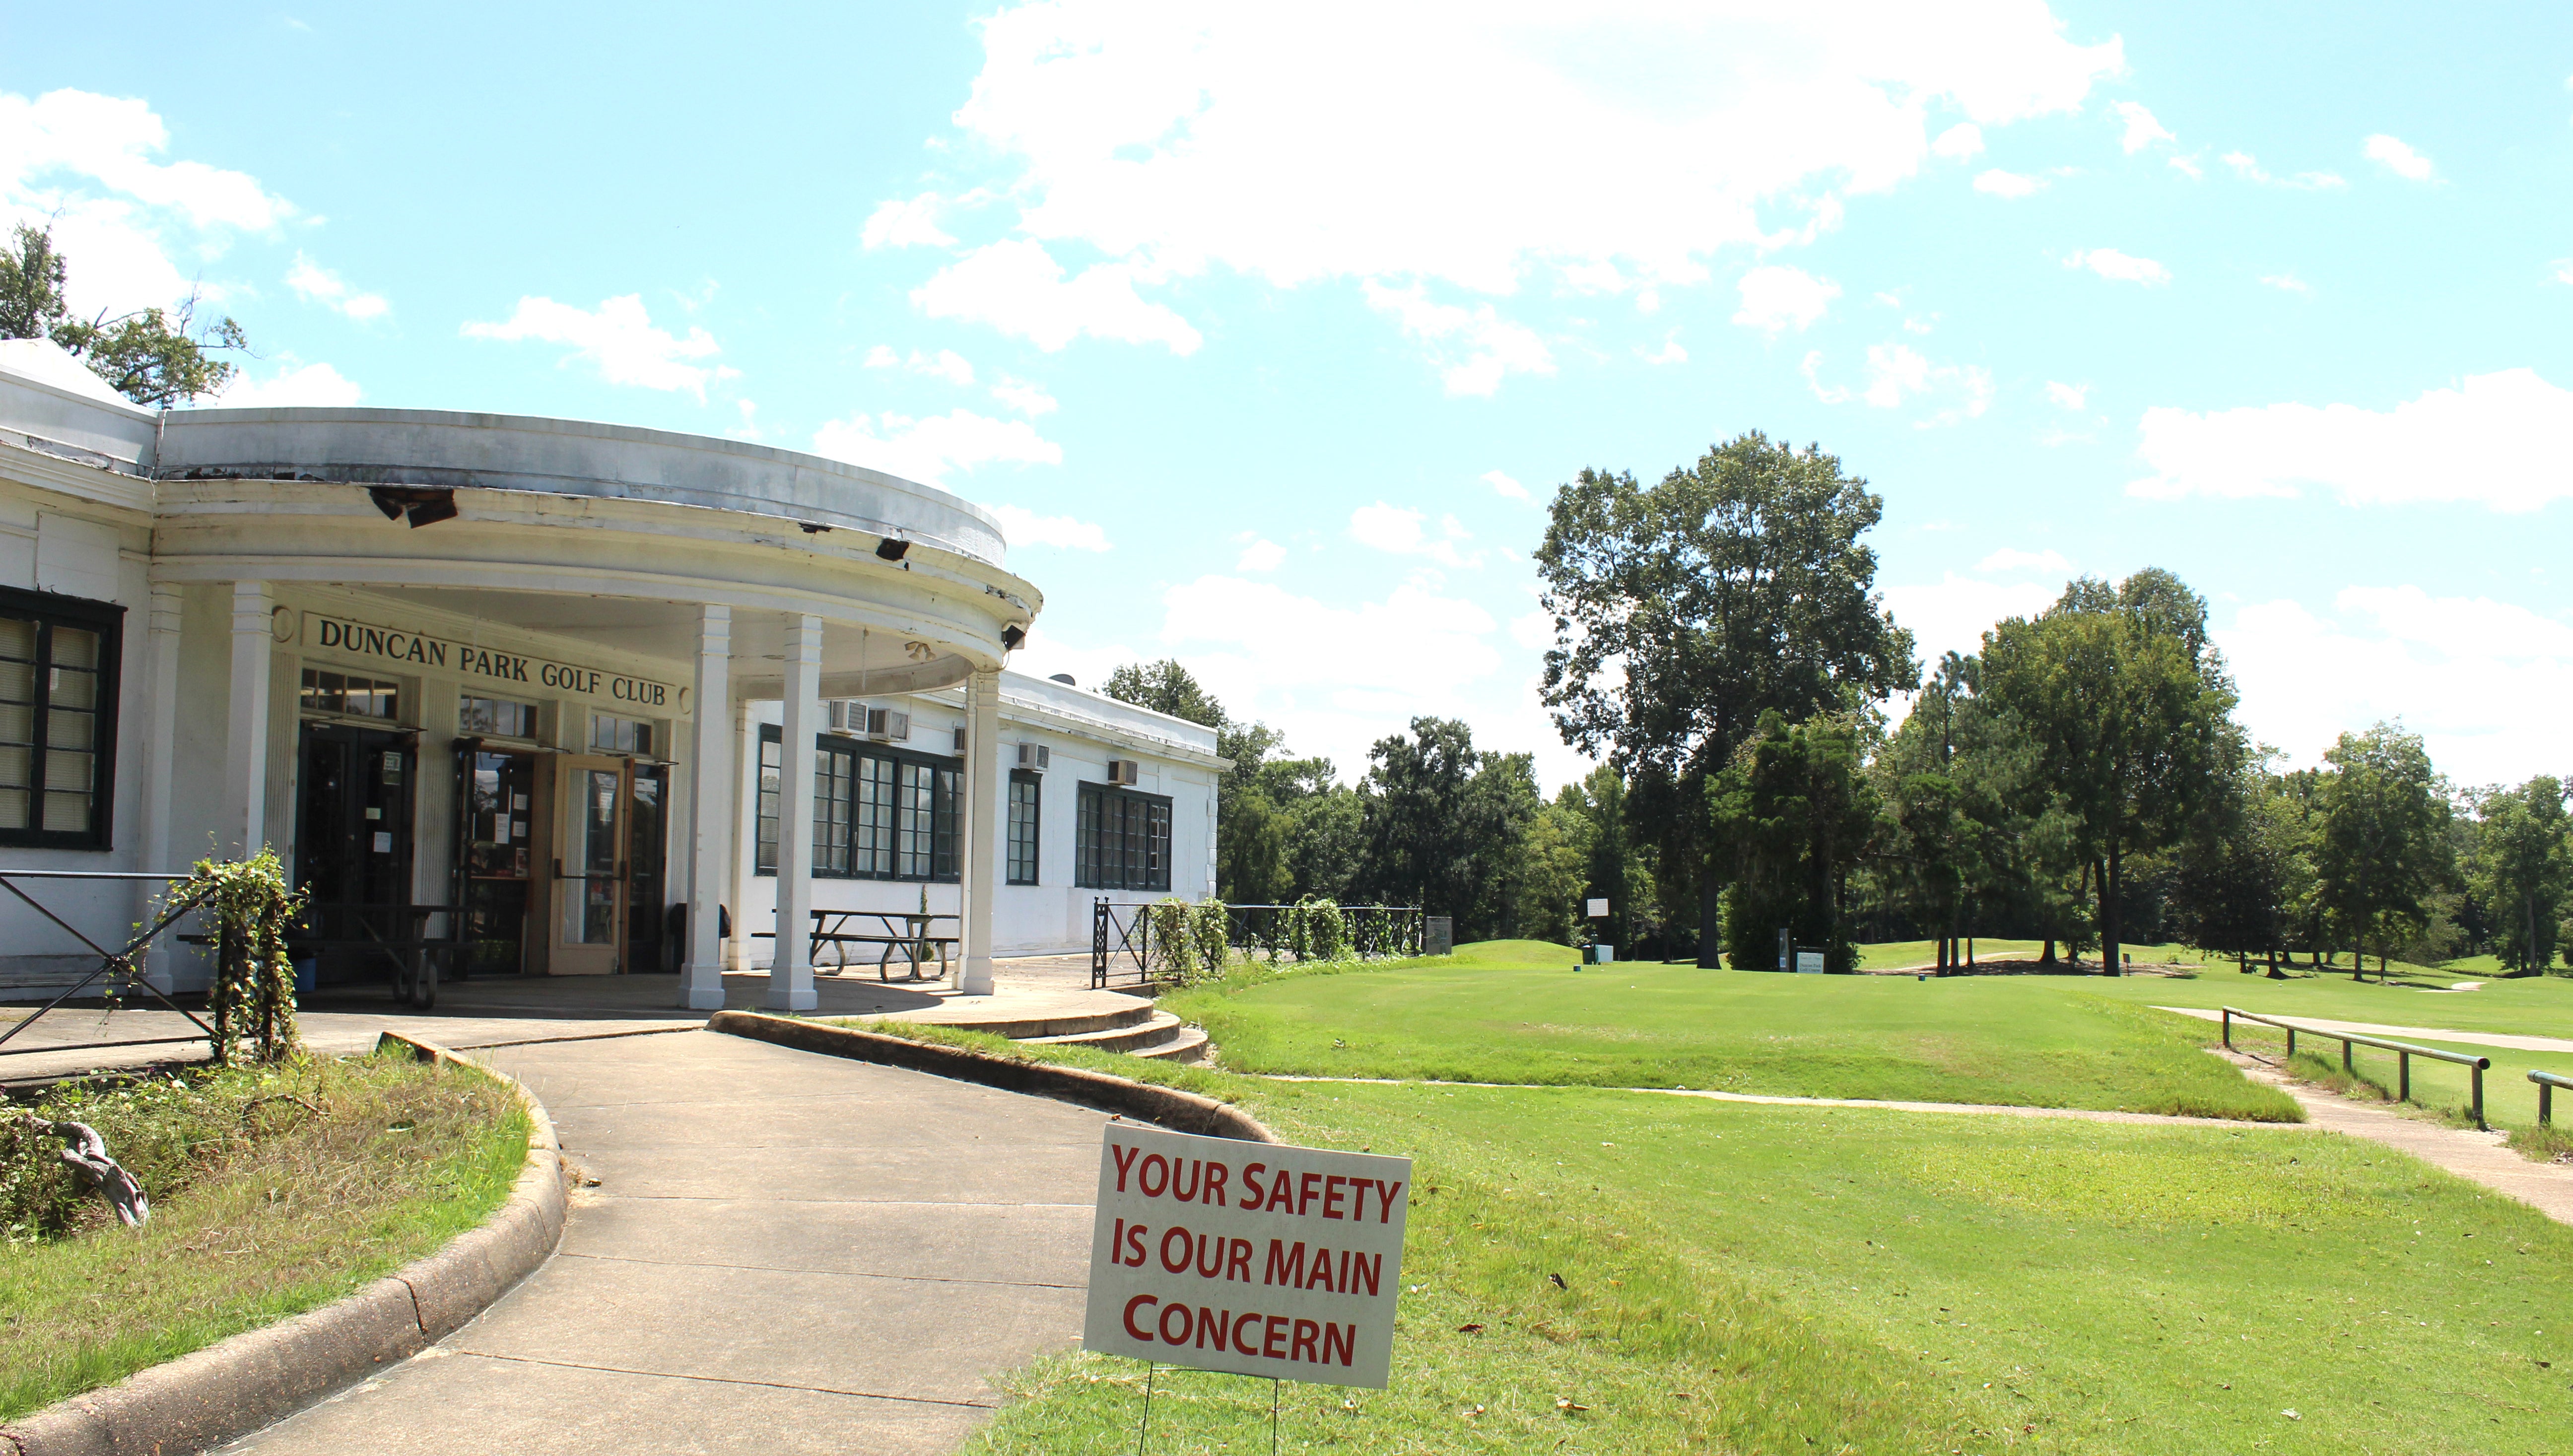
{"x": 2129, "y": 712}
{"x": 2382, "y": 846}
{"x": 1445, "y": 825}
{"x": 152, "y": 355}
{"x": 2524, "y": 870}
{"x": 1685, "y": 610}
{"x": 1167, "y": 687}
{"x": 1792, "y": 814}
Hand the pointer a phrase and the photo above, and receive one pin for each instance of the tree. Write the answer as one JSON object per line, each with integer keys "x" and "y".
{"x": 152, "y": 355}
{"x": 1445, "y": 826}
{"x": 2243, "y": 870}
{"x": 1792, "y": 815}
{"x": 2524, "y": 869}
{"x": 2130, "y": 713}
{"x": 2381, "y": 847}
{"x": 1166, "y": 687}
{"x": 1685, "y": 611}
{"x": 1557, "y": 875}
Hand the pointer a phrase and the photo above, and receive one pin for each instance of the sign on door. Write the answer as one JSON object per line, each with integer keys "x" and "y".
{"x": 1250, "y": 1258}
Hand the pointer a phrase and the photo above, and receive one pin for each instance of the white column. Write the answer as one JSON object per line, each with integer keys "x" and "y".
{"x": 160, "y": 748}
{"x": 790, "y": 966}
{"x": 710, "y": 811}
{"x": 741, "y": 865}
{"x": 244, "y": 824}
{"x": 986, "y": 820}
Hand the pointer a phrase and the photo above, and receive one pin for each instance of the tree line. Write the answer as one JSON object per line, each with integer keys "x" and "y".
{"x": 2080, "y": 780}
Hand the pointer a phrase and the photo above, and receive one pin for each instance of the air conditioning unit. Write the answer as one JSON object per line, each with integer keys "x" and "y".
{"x": 960, "y": 739}
{"x": 1123, "y": 771}
{"x": 1034, "y": 757}
{"x": 857, "y": 720}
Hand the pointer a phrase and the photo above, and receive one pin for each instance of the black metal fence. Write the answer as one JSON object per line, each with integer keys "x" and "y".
{"x": 119, "y": 973}
{"x": 1120, "y": 936}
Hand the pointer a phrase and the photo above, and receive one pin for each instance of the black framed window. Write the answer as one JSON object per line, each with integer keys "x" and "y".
{"x": 350, "y": 694}
{"x": 1024, "y": 789}
{"x": 878, "y": 814}
{"x": 58, "y": 661}
{"x": 1122, "y": 839}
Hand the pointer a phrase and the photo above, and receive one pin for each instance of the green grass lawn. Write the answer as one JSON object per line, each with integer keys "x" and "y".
{"x": 1774, "y": 1279}
{"x": 2536, "y": 1006}
{"x": 1516, "y": 1012}
{"x": 261, "y": 1209}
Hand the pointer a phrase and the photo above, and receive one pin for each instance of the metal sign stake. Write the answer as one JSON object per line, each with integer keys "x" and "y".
{"x": 1147, "y": 1423}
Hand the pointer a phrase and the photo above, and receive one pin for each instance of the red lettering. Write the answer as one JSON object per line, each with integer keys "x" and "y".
{"x": 1212, "y": 1322}
{"x": 1153, "y": 1162}
{"x": 1247, "y": 1320}
{"x": 1332, "y": 1195}
{"x": 1125, "y": 1158}
{"x": 1268, "y": 1344}
{"x": 1237, "y": 1264}
{"x": 1282, "y": 1269}
{"x": 1304, "y": 1192}
{"x": 1341, "y": 1340}
{"x": 1134, "y": 1246}
{"x": 1117, "y": 1245}
{"x": 1250, "y": 1185}
{"x": 1305, "y": 1330}
{"x": 1215, "y": 1174}
{"x": 1181, "y": 1234}
{"x": 1321, "y": 1273}
{"x": 1363, "y": 1268}
{"x": 1282, "y": 1193}
{"x": 1385, "y": 1194}
{"x": 1132, "y": 1305}
{"x": 1181, "y": 1312}
{"x": 1188, "y": 1194}
{"x": 1358, "y": 1200}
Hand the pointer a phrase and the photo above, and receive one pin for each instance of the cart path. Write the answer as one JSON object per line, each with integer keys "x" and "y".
{"x": 1994, "y": 1109}
{"x": 784, "y": 1253}
{"x": 2481, "y": 1157}
{"x": 2503, "y": 1040}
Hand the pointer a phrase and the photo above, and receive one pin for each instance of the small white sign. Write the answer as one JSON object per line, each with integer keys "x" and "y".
{"x": 1598, "y": 910}
{"x": 1809, "y": 963}
{"x": 384, "y": 842}
{"x": 1252, "y": 1258}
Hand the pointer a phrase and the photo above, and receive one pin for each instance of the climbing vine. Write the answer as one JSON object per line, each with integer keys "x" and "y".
{"x": 1317, "y": 930}
{"x": 253, "y": 997}
{"x": 1175, "y": 955}
{"x": 1213, "y": 929}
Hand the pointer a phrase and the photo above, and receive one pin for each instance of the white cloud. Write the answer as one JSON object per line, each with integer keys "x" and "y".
{"x": 2287, "y": 282}
{"x": 618, "y": 338}
{"x": 1669, "y": 353}
{"x": 1505, "y": 486}
{"x": 1474, "y": 347}
{"x": 749, "y": 427}
{"x": 925, "y": 449}
{"x": 947, "y": 364}
{"x": 2498, "y": 440}
{"x": 1017, "y": 287}
{"x": 1027, "y": 528}
{"x": 316, "y": 284}
{"x": 1415, "y": 647}
{"x": 2400, "y": 158}
{"x": 136, "y": 231}
{"x": 2141, "y": 128}
{"x": 2564, "y": 269}
{"x": 1953, "y": 614}
{"x": 1960, "y": 142}
{"x": 2248, "y": 167}
{"x": 1478, "y": 146}
{"x": 2008, "y": 184}
{"x": 2048, "y": 562}
{"x": 1778, "y": 298}
{"x": 1026, "y": 399}
{"x": 2067, "y": 397}
{"x": 1406, "y": 533}
{"x": 2119, "y": 267}
{"x": 2487, "y": 684}
{"x": 291, "y": 384}
{"x": 1260, "y": 555}
{"x": 882, "y": 356}
{"x": 1534, "y": 631}
{"x": 905, "y": 223}
{"x": 1896, "y": 372}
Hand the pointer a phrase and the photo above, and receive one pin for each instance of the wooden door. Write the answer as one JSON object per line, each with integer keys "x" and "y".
{"x": 594, "y": 799}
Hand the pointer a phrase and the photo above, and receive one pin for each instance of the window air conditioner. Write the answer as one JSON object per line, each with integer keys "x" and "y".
{"x": 893, "y": 725}
{"x": 1034, "y": 756}
{"x": 1123, "y": 771}
{"x": 960, "y": 739}
{"x": 848, "y": 716}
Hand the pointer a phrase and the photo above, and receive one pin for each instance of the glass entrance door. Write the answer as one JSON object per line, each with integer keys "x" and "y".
{"x": 353, "y": 837}
{"x": 648, "y": 946}
{"x": 590, "y": 871}
{"x": 499, "y": 853}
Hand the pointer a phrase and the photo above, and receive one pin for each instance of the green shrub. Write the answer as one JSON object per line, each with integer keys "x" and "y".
{"x": 1174, "y": 955}
{"x": 1212, "y": 924}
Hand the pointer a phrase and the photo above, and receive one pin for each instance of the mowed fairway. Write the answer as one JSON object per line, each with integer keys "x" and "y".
{"x": 1516, "y": 1012}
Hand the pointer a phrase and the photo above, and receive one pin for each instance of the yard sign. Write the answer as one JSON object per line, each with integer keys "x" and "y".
{"x": 1250, "y": 1258}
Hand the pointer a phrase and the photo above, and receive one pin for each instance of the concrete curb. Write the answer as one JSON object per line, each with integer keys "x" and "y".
{"x": 1167, "y": 1106}
{"x": 257, "y": 1377}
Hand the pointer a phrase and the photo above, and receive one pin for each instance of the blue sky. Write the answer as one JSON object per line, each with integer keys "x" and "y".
{"x": 1271, "y": 329}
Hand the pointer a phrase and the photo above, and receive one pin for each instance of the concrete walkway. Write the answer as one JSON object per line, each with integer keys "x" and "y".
{"x": 784, "y": 1253}
{"x": 1996, "y": 1109}
{"x": 2502, "y": 1039}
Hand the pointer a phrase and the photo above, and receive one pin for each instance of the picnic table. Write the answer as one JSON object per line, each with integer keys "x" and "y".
{"x": 916, "y": 938}
{"x": 403, "y": 940}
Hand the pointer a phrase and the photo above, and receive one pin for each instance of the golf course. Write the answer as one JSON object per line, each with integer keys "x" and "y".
{"x": 1764, "y": 1277}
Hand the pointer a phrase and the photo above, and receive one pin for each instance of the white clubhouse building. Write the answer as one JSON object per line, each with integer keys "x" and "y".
{"x": 590, "y": 698}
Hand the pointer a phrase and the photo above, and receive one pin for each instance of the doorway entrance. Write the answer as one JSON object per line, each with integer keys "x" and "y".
{"x": 561, "y": 861}
{"x": 353, "y": 840}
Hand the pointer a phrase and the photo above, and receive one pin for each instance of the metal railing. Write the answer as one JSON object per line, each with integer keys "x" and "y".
{"x": 118, "y": 967}
{"x": 1121, "y": 934}
{"x": 2404, "y": 1052}
{"x": 2547, "y": 1083}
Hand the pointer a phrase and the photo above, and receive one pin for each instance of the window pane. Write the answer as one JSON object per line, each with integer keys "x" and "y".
{"x": 67, "y": 770}
{"x": 75, "y": 648}
{"x": 72, "y": 688}
{"x": 15, "y": 764}
{"x": 17, "y": 723}
{"x": 18, "y": 638}
{"x": 67, "y": 813}
{"x": 68, "y": 730}
{"x": 13, "y": 808}
{"x": 766, "y": 822}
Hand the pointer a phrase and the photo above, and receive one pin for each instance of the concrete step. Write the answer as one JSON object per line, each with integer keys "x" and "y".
{"x": 1061, "y": 1027}
{"x": 1189, "y": 1046}
{"x": 1158, "y": 1029}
